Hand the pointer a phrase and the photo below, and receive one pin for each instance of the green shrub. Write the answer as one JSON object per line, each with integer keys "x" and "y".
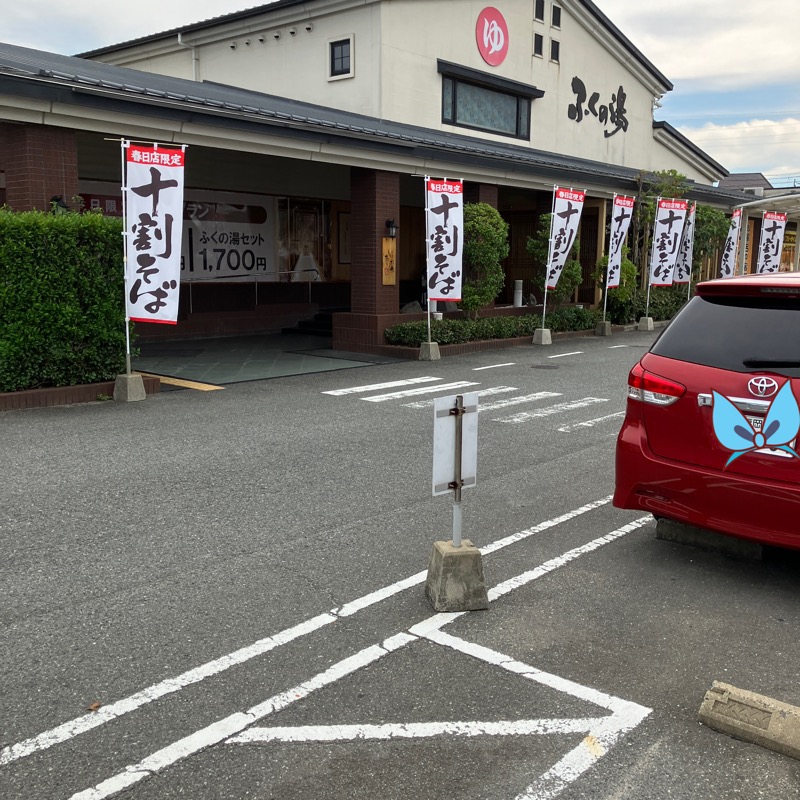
{"x": 485, "y": 247}
{"x": 62, "y": 311}
{"x": 538, "y": 246}
{"x": 458, "y": 331}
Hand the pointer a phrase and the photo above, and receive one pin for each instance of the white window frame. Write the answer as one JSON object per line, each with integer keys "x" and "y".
{"x": 351, "y": 38}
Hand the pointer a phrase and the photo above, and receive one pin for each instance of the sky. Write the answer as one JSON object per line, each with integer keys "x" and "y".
{"x": 734, "y": 64}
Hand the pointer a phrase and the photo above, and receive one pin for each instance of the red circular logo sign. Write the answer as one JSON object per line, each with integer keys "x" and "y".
{"x": 491, "y": 33}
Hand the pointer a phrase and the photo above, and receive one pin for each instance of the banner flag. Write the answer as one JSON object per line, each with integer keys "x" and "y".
{"x": 683, "y": 266}
{"x": 620, "y": 222}
{"x": 667, "y": 230}
{"x": 567, "y": 208}
{"x": 153, "y": 193}
{"x": 773, "y": 228}
{"x": 727, "y": 267}
{"x": 444, "y": 225}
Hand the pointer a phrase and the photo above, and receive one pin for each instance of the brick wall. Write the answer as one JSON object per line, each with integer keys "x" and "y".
{"x": 375, "y": 198}
{"x": 40, "y": 163}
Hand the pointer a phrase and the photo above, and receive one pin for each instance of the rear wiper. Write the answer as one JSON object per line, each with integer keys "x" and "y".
{"x": 765, "y": 363}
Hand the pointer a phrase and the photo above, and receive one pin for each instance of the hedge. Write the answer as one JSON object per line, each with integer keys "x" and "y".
{"x": 458, "y": 331}
{"x": 62, "y": 311}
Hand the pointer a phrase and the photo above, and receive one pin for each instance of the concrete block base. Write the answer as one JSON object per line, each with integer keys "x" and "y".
{"x": 542, "y": 336}
{"x": 455, "y": 578}
{"x": 646, "y": 324}
{"x": 429, "y": 351}
{"x": 753, "y": 718}
{"x": 128, "y": 388}
{"x": 603, "y": 329}
{"x": 704, "y": 539}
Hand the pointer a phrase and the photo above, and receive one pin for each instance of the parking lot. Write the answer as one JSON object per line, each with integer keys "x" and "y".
{"x": 220, "y": 595}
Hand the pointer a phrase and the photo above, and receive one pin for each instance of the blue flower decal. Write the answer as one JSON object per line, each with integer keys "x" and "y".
{"x": 734, "y": 431}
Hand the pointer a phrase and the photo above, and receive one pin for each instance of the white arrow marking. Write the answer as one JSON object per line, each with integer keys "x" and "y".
{"x": 380, "y": 398}
{"x": 375, "y": 387}
{"x": 481, "y": 393}
{"x": 526, "y": 416}
{"x": 590, "y": 423}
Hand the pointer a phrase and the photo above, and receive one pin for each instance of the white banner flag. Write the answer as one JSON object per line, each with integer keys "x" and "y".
{"x": 683, "y": 266}
{"x": 727, "y": 267}
{"x": 667, "y": 231}
{"x": 567, "y": 208}
{"x": 620, "y": 222}
{"x": 153, "y": 191}
{"x": 773, "y": 227}
{"x": 444, "y": 219}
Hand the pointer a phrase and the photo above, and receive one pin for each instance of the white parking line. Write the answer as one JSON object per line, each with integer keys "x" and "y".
{"x": 75, "y": 727}
{"x": 549, "y": 784}
{"x": 616, "y": 346}
{"x": 526, "y": 416}
{"x": 376, "y": 387}
{"x": 494, "y": 366}
{"x": 564, "y": 355}
{"x": 440, "y": 387}
{"x": 590, "y": 423}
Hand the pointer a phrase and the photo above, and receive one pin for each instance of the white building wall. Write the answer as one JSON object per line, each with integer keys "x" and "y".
{"x": 396, "y": 44}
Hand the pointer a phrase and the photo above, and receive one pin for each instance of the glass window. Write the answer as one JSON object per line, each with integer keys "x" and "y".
{"x": 556, "y": 18}
{"x": 555, "y": 49}
{"x": 485, "y": 109}
{"x": 538, "y": 45}
{"x": 538, "y": 10}
{"x": 340, "y": 58}
{"x": 733, "y": 345}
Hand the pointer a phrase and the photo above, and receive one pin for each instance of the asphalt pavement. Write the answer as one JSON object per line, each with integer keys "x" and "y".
{"x": 220, "y": 595}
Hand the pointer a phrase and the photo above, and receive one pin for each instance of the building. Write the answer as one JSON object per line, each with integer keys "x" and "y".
{"x": 311, "y": 124}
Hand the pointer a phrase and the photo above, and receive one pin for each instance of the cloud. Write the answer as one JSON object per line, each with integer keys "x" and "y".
{"x": 773, "y": 144}
{"x": 712, "y": 44}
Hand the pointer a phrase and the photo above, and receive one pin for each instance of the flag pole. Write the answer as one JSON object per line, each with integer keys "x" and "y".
{"x": 124, "y": 144}
{"x": 652, "y": 258}
{"x": 426, "y": 178}
{"x": 549, "y": 254}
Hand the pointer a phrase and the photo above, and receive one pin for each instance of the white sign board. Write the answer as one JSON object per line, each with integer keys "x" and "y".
{"x": 444, "y": 443}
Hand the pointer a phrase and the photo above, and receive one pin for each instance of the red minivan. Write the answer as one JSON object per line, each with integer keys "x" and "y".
{"x": 709, "y": 436}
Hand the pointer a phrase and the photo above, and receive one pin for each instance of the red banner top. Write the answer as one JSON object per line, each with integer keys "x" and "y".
{"x": 625, "y": 202}
{"x": 571, "y": 194}
{"x": 774, "y": 216}
{"x": 449, "y": 187}
{"x": 676, "y": 205}
{"x": 161, "y": 156}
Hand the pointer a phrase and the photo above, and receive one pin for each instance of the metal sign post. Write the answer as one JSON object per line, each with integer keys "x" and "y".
{"x": 455, "y": 450}
{"x": 455, "y": 571}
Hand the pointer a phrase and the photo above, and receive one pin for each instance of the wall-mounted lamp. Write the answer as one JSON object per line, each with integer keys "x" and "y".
{"x": 276, "y": 35}
{"x": 292, "y": 31}
{"x": 391, "y": 228}
{"x": 309, "y": 27}
{"x": 262, "y": 38}
{"x": 232, "y": 45}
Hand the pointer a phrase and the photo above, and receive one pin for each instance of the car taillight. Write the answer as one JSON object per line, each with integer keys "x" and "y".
{"x": 649, "y": 388}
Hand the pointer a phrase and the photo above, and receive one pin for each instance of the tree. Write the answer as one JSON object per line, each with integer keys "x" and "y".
{"x": 538, "y": 246}
{"x": 710, "y": 233}
{"x": 485, "y": 247}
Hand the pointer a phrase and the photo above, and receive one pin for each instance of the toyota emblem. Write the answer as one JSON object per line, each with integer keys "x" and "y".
{"x": 762, "y": 386}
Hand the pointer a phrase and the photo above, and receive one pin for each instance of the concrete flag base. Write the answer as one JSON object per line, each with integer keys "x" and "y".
{"x": 128, "y": 388}
{"x": 429, "y": 351}
{"x": 542, "y": 336}
{"x": 646, "y": 324}
{"x": 603, "y": 329}
{"x": 455, "y": 578}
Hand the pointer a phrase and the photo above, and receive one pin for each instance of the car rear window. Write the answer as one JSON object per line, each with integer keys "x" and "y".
{"x": 744, "y": 334}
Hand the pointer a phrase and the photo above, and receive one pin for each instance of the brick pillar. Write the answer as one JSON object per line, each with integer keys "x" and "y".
{"x": 374, "y": 198}
{"x": 40, "y": 163}
{"x": 481, "y": 193}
